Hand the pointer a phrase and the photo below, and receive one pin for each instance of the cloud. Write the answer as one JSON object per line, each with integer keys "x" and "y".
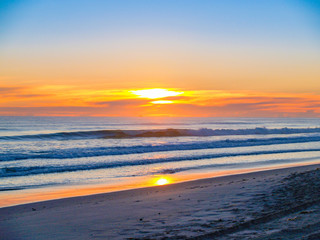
{"x": 50, "y": 111}
{"x": 82, "y": 102}
{"x": 31, "y": 95}
{"x": 122, "y": 103}
{"x": 9, "y": 90}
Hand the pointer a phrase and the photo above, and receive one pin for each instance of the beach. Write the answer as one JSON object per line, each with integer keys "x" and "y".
{"x": 270, "y": 204}
{"x": 159, "y": 120}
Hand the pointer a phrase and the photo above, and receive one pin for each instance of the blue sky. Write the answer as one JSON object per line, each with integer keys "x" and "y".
{"x": 270, "y": 21}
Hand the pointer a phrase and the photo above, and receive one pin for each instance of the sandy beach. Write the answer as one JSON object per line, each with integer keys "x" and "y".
{"x": 159, "y": 120}
{"x": 272, "y": 204}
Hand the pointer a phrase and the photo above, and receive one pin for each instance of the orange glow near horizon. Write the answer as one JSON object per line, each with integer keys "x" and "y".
{"x": 72, "y": 100}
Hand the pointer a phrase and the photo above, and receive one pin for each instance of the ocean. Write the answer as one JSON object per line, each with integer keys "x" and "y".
{"x": 40, "y": 152}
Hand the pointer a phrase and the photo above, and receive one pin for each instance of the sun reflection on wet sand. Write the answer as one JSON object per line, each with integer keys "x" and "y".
{"x": 10, "y": 198}
{"x": 162, "y": 181}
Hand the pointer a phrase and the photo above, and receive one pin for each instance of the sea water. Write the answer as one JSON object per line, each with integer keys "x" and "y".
{"x": 50, "y": 151}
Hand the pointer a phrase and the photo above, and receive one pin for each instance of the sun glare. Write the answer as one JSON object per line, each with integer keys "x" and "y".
{"x": 155, "y": 93}
{"x": 162, "y": 181}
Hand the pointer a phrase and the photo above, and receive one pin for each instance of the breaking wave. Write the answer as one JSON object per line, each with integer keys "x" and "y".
{"x": 34, "y": 170}
{"x": 125, "y": 150}
{"x": 171, "y": 132}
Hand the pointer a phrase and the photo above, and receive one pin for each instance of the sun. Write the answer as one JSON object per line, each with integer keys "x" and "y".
{"x": 155, "y": 93}
{"x": 162, "y": 102}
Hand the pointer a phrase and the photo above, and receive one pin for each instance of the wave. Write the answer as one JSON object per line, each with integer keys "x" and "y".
{"x": 34, "y": 170}
{"x": 236, "y": 165}
{"x": 122, "y": 150}
{"x": 171, "y": 132}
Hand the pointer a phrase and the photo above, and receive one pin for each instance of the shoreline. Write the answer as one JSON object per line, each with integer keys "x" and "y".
{"x": 28, "y": 196}
{"x": 199, "y": 209}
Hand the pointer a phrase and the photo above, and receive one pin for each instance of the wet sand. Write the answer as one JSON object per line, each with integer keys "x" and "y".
{"x": 272, "y": 204}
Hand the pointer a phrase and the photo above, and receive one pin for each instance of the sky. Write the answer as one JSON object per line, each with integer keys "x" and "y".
{"x": 201, "y": 58}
